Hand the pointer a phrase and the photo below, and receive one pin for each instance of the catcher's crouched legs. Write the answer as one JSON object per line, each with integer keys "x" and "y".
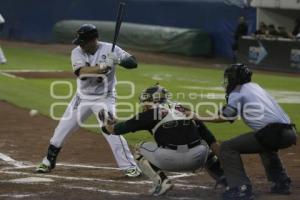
{"x": 161, "y": 183}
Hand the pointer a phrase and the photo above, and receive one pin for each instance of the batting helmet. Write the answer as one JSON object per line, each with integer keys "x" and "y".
{"x": 155, "y": 94}
{"x": 236, "y": 74}
{"x": 85, "y": 33}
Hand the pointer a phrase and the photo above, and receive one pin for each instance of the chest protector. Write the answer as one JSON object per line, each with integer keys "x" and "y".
{"x": 172, "y": 115}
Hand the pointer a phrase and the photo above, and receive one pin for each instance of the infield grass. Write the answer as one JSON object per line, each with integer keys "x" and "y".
{"x": 35, "y": 93}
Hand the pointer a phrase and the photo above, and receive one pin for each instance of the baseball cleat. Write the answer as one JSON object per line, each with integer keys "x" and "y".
{"x": 221, "y": 182}
{"x": 161, "y": 188}
{"x": 243, "y": 192}
{"x": 42, "y": 168}
{"x": 133, "y": 172}
{"x": 282, "y": 187}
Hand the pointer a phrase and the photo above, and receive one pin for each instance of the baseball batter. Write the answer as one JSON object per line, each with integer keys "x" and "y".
{"x": 2, "y": 56}
{"x": 94, "y": 65}
{"x": 180, "y": 142}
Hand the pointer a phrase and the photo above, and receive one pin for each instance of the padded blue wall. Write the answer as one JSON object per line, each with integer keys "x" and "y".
{"x": 33, "y": 20}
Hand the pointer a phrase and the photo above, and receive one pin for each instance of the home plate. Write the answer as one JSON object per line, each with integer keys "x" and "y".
{"x": 31, "y": 180}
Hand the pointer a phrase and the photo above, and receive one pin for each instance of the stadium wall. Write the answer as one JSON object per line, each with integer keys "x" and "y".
{"x": 32, "y": 20}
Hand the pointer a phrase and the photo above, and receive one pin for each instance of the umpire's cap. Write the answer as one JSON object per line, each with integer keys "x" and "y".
{"x": 85, "y": 33}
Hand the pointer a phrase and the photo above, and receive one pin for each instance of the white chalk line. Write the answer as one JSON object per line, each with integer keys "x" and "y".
{"x": 20, "y": 165}
{"x": 7, "y": 73}
{"x": 70, "y": 178}
{"x": 112, "y": 192}
{"x": 10, "y": 75}
{"x": 11, "y": 161}
{"x": 30, "y": 70}
{"x": 175, "y": 176}
{"x": 86, "y": 166}
{"x": 94, "y": 189}
{"x": 30, "y": 180}
{"x": 24, "y": 195}
{"x": 17, "y": 196}
{"x": 183, "y": 198}
{"x": 65, "y": 165}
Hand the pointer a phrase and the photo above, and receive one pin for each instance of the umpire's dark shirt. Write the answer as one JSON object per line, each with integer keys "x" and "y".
{"x": 177, "y": 132}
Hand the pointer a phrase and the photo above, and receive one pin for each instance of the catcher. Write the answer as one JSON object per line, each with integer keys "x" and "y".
{"x": 179, "y": 140}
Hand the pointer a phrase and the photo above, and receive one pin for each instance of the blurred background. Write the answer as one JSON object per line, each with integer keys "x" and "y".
{"x": 220, "y": 25}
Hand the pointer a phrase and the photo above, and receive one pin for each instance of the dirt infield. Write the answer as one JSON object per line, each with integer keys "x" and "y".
{"x": 44, "y": 75}
{"x": 86, "y": 168}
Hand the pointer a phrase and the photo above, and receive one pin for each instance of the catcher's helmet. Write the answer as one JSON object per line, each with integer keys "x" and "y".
{"x": 85, "y": 33}
{"x": 236, "y": 74}
{"x": 155, "y": 94}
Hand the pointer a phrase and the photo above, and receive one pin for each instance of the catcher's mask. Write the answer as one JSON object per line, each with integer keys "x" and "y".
{"x": 154, "y": 94}
{"x": 236, "y": 74}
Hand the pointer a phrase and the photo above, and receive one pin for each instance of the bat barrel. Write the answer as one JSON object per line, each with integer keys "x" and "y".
{"x": 118, "y": 24}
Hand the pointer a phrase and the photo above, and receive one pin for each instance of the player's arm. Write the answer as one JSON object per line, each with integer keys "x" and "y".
{"x": 230, "y": 112}
{"x": 123, "y": 58}
{"x": 214, "y": 119}
{"x": 82, "y": 69}
{"x": 142, "y": 121}
{"x": 92, "y": 70}
{"x": 195, "y": 116}
{"x": 129, "y": 62}
{"x": 220, "y": 118}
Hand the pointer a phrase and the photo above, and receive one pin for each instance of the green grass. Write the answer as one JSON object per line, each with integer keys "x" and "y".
{"x": 35, "y": 93}
{"x": 34, "y": 59}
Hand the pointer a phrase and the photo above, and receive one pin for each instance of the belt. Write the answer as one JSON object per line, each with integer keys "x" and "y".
{"x": 289, "y": 126}
{"x": 175, "y": 147}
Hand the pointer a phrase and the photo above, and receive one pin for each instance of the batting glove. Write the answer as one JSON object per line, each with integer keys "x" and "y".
{"x": 112, "y": 59}
{"x": 104, "y": 68}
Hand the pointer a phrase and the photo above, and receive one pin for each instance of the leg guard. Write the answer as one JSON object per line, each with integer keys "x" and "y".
{"x": 152, "y": 172}
{"x": 214, "y": 169}
{"x": 52, "y": 155}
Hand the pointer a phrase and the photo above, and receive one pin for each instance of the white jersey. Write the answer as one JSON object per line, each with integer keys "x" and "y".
{"x": 100, "y": 85}
{"x": 256, "y": 106}
{"x": 2, "y": 20}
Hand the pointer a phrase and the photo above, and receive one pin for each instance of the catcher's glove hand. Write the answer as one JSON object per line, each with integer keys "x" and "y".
{"x": 106, "y": 117}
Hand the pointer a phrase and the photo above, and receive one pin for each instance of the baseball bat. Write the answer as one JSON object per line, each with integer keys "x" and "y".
{"x": 118, "y": 24}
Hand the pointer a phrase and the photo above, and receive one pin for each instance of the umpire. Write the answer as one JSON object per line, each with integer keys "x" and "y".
{"x": 272, "y": 130}
{"x": 179, "y": 141}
